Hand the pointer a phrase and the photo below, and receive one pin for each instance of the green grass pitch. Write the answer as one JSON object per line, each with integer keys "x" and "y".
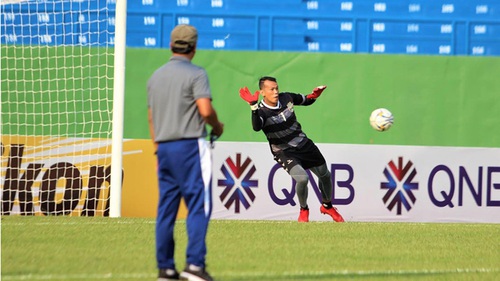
{"x": 82, "y": 248}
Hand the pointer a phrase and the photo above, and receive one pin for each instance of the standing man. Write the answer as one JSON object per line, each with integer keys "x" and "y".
{"x": 179, "y": 107}
{"x": 275, "y": 116}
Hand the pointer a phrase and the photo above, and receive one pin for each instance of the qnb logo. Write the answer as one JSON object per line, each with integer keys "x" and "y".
{"x": 399, "y": 186}
{"x": 238, "y": 183}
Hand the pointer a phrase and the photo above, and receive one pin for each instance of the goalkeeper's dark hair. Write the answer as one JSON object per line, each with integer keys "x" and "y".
{"x": 266, "y": 78}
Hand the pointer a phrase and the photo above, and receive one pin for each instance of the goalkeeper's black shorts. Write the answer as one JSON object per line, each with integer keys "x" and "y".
{"x": 307, "y": 156}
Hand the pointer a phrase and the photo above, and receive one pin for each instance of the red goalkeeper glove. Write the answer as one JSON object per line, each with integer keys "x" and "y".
{"x": 316, "y": 92}
{"x": 248, "y": 97}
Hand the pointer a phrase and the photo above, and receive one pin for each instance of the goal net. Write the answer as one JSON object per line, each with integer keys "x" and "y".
{"x": 57, "y": 82}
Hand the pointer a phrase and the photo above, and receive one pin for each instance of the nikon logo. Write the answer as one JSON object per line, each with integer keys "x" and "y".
{"x": 54, "y": 186}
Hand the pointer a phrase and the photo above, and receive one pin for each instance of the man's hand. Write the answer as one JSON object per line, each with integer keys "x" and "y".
{"x": 217, "y": 129}
{"x": 248, "y": 97}
{"x": 316, "y": 92}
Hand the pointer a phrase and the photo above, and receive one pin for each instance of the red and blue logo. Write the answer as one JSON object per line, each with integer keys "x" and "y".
{"x": 238, "y": 183}
{"x": 400, "y": 186}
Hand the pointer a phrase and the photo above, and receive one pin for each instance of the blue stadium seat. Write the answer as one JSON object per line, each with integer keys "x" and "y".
{"x": 289, "y": 43}
{"x": 220, "y": 23}
{"x": 486, "y": 10}
{"x": 412, "y": 29}
{"x": 144, "y": 39}
{"x": 313, "y": 43}
{"x": 484, "y": 30}
{"x": 412, "y": 46}
{"x": 219, "y": 41}
{"x": 102, "y": 38}
{"x": 144, "y": 21}
{"x": 484, "y": 48}
{"x": 92, "y": 5}
{"x": 257, "y": 6}
{"x": 142, "y": 6}
{"x": 312, "y": 26}
{"x": 90, "y": 22}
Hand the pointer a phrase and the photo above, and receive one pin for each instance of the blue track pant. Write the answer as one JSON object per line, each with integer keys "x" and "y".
{"x": 184, "y": 170}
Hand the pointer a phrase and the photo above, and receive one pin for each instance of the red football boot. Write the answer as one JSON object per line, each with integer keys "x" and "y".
{"x": 332, "y": 212}
{"x": 304, "y": 215}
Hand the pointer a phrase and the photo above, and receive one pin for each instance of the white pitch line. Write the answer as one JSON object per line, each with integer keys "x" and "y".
{"x": 263, "y": 275}
{"x": 106, "y": 276}
{"x": 340, "y": 273}
{"x": 218, "y": 221}
{"x": 79, "y": 223}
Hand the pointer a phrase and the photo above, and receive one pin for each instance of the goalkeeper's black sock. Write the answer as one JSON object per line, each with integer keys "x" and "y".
{"x": 327, "y": 205}
{"x": 304, "y": 208}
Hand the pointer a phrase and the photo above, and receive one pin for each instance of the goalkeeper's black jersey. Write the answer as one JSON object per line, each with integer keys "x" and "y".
{"x": 279, "y": 123}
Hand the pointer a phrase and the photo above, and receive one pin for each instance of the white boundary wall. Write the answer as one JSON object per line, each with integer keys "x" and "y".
{"x": 451, "y": 184}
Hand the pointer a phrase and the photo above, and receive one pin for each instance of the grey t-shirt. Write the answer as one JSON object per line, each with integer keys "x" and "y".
{"x": 172, "y": 93}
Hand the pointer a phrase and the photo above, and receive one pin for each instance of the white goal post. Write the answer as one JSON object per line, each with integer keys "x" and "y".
{"x": 62, "y": 78}
{"x": 118, "y": 107}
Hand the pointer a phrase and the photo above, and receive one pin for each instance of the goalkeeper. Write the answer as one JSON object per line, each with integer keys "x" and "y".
{"x": 292, "y": 149}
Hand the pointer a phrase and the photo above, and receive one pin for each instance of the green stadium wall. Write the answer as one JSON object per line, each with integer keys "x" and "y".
{"x": 436, "y": 100}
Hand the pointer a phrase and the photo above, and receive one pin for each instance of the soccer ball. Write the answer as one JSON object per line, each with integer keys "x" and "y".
{"x": 381, "y": 119}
